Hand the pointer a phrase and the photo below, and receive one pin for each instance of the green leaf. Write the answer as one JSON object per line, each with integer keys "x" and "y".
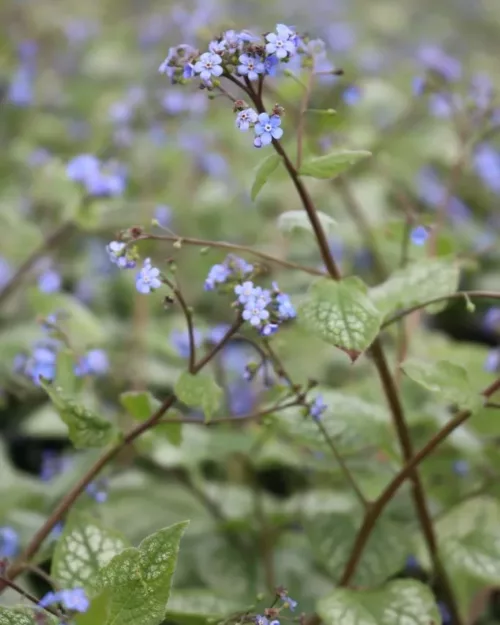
{"x": 86, "y": 429}
{"x": 341, "y": 314}
{"x": 332, "y": 165}
{"x": 200, "y": 391}
{"x": 332, "y": 538}
{"x": 264, "y": 170}
{"x": 193, "y": 607}
{"x": 137, "y": 581}
{"x": 401, "y": 601}
{"x": 298, "y": 220}
{"x": 84, "y": 547}
{"x": 20, "y": 615}
{"x": 139, "y": 404}
{"x": 469, "y": 539}
{"x": 428, "y": 279}
{"x": 350, "y": 422}
{"x": 448, "y": 380}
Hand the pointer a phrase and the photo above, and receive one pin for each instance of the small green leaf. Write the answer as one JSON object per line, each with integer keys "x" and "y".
{"x": 298, "y": 220}
{"x": 138, "y": 581}
{"x": 448, "y": 380}
{"x": 341, "y": 314}
{"x": 264, "y": 170}
{"x": 199, "y": 391}
{"x": 401, "y": 601}
{"x": 84, "y": 547}
{"x": 418, "y": 283}
{"x": 139, "y": 404}
{"x": 332, "y": 165}
{"x": 86, "y": 429}
{"x": 20, "y": 615}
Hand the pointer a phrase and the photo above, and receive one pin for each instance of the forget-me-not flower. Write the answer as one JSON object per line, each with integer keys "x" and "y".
{"x": 268, "y": 128}
{"x": 281, "y": 42}
{"x": 208, "y": 65}
{"x": 250, "y": 66}
{"x": 245, "y": 119}
{"x": 148, "y": 278}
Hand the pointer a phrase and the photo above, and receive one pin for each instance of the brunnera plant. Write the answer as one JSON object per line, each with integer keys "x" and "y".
{"x": 349, "y": 551}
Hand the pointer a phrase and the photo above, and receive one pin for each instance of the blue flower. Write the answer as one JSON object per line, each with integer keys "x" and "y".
{"x": 461, "y": 467}
{"x": 218, "y": 46}
{"x": 281, "y": 42}
{"x": 268, "y": 128}
{"x": 50, "y": 281}
{"x": 250, "y": 66}
{"x": 441, "y": 105}
{"x": 9, "y": 542}
{"x": 445, "y": 613}
{"x": 491, "y": 319}
{"x": 180, "y": 340}
{"x": 20, "y": 90}
{"x": 208, "y": 65}
{"x": 148, "y": 278}
{"x": 419, "y": 235}
{"x": 317, "y": 408}
{"x": 245, "y": 291}
{"x": 292, "y": 604}
{"x": 487, "y": 165}
{"x": 269, "y": 329}
{"x": 245, "y": 119}
{"x": 74, "y": 599}
{"x": 98, "y": 490}
{"x": 94, "y": 362}
{"x": 492, "y": 363}
{"x": 285, "y": 307}
{"x": 261, "y": 620}
{"x": 271, "y": 65}
{"x": 418, "y": 85}
{"x": 163, "y": 214}
{"x": 217, "y": 333}
{"x": 218, "y": 274}
{"x": 255, "y": 314}
{"x": 117, "y": 252}
{"x": 412, "y": 562}
{"x": 42, "y": 362}
{"x": 352, "y": 95}
{"x": 82, "y": 167}
{"x": 53, "y": 464}
{"x": 437, "y": 60}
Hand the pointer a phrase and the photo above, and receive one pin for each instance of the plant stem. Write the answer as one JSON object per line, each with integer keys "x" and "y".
{"x": 7, "y": 582}
{"x": 49, "y": 243}
{"x": 231, "y": 247}
{"x": 302, "y": 113}
{"x": 189, "y": 322}
{"x": 418, "y": 492}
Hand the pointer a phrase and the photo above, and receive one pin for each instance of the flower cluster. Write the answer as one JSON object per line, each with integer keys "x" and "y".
{"x": 75, "y": 599}
{"x": 232, "y": 268}
{"x": 245, "y": 58}
{"x": 241, "y": 53}
{"x": 266, "y": 127}
{"x": 99, "y": 179}
{"x": 265, "y": 310}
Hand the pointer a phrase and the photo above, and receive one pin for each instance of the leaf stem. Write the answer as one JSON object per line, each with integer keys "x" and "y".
{"x": 231, "y": 247}
{"x": 458, "y": 295}
{"x": 27, "y": 595}
{"x": 302, "y": 114}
